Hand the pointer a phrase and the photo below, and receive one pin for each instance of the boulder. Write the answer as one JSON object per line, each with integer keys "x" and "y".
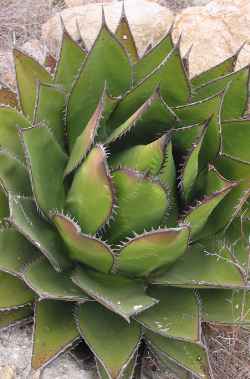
{"x": 215, "y": 32}
{"x": 148, "y": 20}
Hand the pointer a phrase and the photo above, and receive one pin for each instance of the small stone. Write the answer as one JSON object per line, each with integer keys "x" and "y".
{"x": 7, "y": 372}
{"x": 77, "y": 3}
{"x": 36, "y": 49}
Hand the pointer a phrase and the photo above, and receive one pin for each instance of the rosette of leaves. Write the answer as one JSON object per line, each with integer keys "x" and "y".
{"x": 124, "y": 203}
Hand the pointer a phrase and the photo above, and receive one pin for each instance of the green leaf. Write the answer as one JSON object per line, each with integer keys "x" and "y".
{"x": 127, "y": 373}
{"x": 14, "y": 176}
{"x": 10, "y": 121}
{"x": 46, "y": 174}
{"x": 236, "y": 87}
{"x": 4, "y": 205}
{"x": 91, "y": 196}
{"x": 97, "y": 69}
{"x": 184, "y": 137}
{"x": 119, "y": 294}
{"x": 8, "y": 97}
{"x": 153, "y": 57}
{"x": 49, "y": 109}
{"x": 199, "y": 112}
{"x": 133, "y": 191}
{"x": 232, "y": 169}
{"x": 235, "y": 140}
{"x": 190, "y": 169}
{"x": 152, "y": 250}
{"x": 86, "y": 139}
{"x": 126, "y": 38}
{"x": 13, "y": 292}
{"x": 192, "y": 357}
{"x": 49, "y": 284}
{"x": 83, "y": 248}
{"x": 167, "y": 364}
{"x": 202, "y": 266}
{"x": 221, "y": 69}
{"x": 197, "y": 217}
{"x": 28, "y": 72}
{"x": 54, "y": 331}
{"x": 176, "y": 315}
{"x": 14, "y": 316}
{"x": 97, "y": 324}
{"x": 225, "y": 306}
{"x": 25, "y": 217}
{"x": 15, "y": 251}
{"x": 169, "y": 76}
{"x": 70, "y": 60}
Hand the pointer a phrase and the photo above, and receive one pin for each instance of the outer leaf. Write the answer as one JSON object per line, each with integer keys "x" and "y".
{"x": 14, "y": 293}
{"x": 49, "y": 284}
{"x": 49, "y": 109}
{"x": 4, "y": 205}
{"x": 176, "y": 315}
{"x": 24, "y": 216}
{"x": 46, "y": 179}
{"x": 91, "y": 196}
{"x": 153, "y": 57}
{"x": 133, "y": 191}
{"x": 28, "y": 71}
{"x": 119, "y": 294}
{"x": 127, "y": 373}
{"x": 14, "y": 176}
{"x": 165, "y": 363}
{"x": 8, "y": 97}
{"x": 50, "y": 337}
{"x": 192, "y": 357}
{"x": 201, "y": 267}
{"x": 89, "y": 85}
{"x": 82, "y": 247}
{"x": 235, "y": 138}
{"x": 125, "y": 36}
{"x": 97, "y": 324}
{"x": 225, "y": 306}
{"x": 232, "y": 168}
{"x": 10, "y": 119}
{"x": 152, "y": 250}
{"x": 14, "y": 316}
{"x": 70, "y": 61}
{"x": 15, "y": 251}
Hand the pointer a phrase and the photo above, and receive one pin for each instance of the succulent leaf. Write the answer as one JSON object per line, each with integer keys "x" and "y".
{"x": 235, "y": 138}
{"x": 14, "y": 316}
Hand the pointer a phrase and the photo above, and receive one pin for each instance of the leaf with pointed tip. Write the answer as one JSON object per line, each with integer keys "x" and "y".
{"x": 83, "y": 248}
{"x": 197, "y": 217}
{"x": 119, "y": 294}
{"x": 202, "y": 267}
{"x": 235, "y": 140}
{"x": 221, "y": 69}
{"x": 190, "y": 169}
{"x": 10, "y": 121}
{"x": 169, "y": 76}
{"x": 89, "y": 85}
{"x": 97, "y": 324}
{"x": 13, "y": 292}
{"x": 24, "y": 216}
{"x": 226, "y": 306}
{"x": 166, "y": 364}
{"x": 198, "y": 112}
{"x": 236, "y": 87}
{"x": 176, "y": 315}
{"x": 231, "y": 168}
{"x": 184, "y": 137}
{"x": 70, "y": 61}
{"x": 134, "y": 190}
{"x": 14, "y": 316}
{"x": 14, "y": 176}
{"x": 28, "y": 72}
{"x": 193, "y": 357}
{"x": 91, "y": 196}
{"x": 8, "y": 97}
{"x": 137, "y": 129}
{"x": 153, "y": 57}
{"x": 46, "y": 179}
{"x": 127, "y": 373}
{"x": 152, "y": 250}
{"x": 145, "y": 158}
{"x": 49, "y": 284}
{"x": 4, "y": 205}
{"x": 125, "y": 36}
{"x": 49, "y": 109}
{"x": 54, "y": 331}
{"x": 15, "y": 251}
{"x": 85, "y": 140}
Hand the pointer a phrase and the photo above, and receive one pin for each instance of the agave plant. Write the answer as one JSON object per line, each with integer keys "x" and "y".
{"x": 124, "y": 203}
